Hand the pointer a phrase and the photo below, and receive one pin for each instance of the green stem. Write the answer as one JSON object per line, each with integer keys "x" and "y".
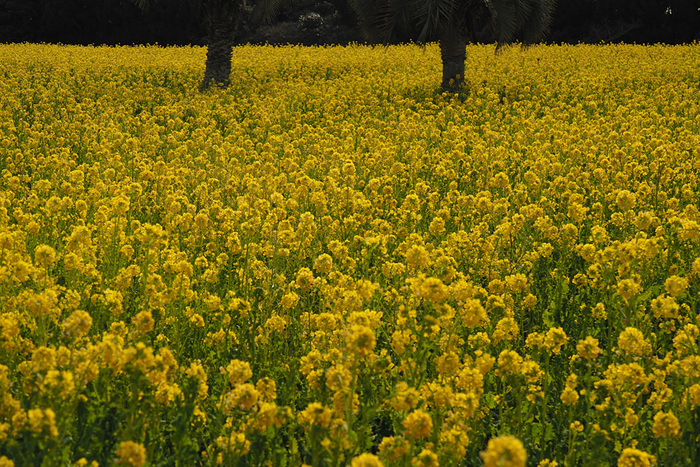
{"x": 543, "y": 407}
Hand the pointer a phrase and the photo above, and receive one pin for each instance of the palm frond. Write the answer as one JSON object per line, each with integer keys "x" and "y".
{"x": 265, "y": 11}
{"x": 381, "y": 21}
{"x": 504, "y": 18}
{"x": 433, "y": 16}
{"x": 365, "y": 10}
{"x": 392, "y": 17}
{"x": 143, "y": 4}
{"x": 537, "y": 26}
{"x": 525, "y": 20}
{"x": 424, "y": 20}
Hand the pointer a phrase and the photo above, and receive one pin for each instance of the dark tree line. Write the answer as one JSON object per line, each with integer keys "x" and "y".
{"x": 640, "y": 21}
{"x": 181, "y": 22}
{"x": 98, "y": 22}
{"x": 319, "y": 21}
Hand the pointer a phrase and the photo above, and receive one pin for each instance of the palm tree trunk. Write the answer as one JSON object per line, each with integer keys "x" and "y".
{"x": 219, "y": 16}
{"x": 453, "y": 45}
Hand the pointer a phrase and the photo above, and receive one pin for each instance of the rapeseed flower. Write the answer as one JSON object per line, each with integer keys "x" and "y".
{"x": 131, "y": 453}
{"x": 676, "y": 285}
{"x": 366, "y": 460}
{"x": 316, "y": 414}
{"x": 238, "y": 372}
{"x": 632, "y": 457}
{"x": 665, "y": 307}
{"x": 509, "y": 363}
{"x": 555, "y": 339}
{"x": 425, "y": 458}
{"x": 370, "y": 253}
{"x": 418, "y": 424}
{"x": 393, "y": 448}
{"x": 632, "y": 342}
{"x": 504, "y": 451}
{"x": 628, "y": 288}
{"x": 665, "y": 425}
{"x": 361, "y": 340}
{"x": 588, "y": 348}
{"x": 570, "y": 396}
{"x": 77, "y": 324}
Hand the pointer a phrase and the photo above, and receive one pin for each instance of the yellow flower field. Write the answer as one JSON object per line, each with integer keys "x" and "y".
{"x": 328, "y": 263}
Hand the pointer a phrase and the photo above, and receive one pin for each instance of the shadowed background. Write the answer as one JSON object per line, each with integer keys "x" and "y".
{"x": 312, "y": 22}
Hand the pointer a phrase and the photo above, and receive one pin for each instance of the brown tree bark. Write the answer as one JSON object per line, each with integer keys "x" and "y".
{"x": 453, "y": 51}
{"x": 219, "y": 16}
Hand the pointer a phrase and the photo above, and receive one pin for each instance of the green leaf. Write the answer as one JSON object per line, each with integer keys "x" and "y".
{"x": 547, "y": 316}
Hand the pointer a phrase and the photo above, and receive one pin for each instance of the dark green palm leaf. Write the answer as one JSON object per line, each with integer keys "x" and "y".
{"x": 433, "y": 15}
{"x": 265, "y": 11}
{"x": 394, "y": 18}
{"x": 504, "y": 18}
{"x": 537, "y": 25}
{"x": 525, "y": 20}
{"x": 142, "y": 4}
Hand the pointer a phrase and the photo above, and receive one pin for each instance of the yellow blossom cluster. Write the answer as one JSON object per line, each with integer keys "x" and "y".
{"x": 330, "y": 263}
